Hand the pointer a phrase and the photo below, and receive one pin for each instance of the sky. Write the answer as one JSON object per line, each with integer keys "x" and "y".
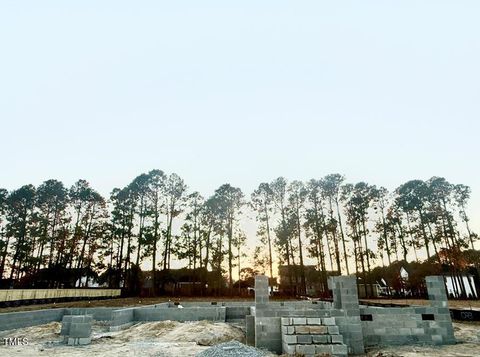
{"x": 240, "y": 92}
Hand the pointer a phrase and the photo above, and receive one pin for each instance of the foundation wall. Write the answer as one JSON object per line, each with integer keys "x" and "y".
{"x": 13, "y": 320}
{"x": 176, "y": 314}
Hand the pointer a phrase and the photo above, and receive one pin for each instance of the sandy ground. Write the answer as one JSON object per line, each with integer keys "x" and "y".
{"x": 166, "y": 338}
{"x": 170, "y": 338}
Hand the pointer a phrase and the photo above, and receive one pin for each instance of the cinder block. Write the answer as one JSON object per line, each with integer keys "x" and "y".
{"x": 305, "y": 349}
{"x": 410, "y": 324}
{"x": 380, "y": 331}
{"x": 418, "y": 331}
{"x": 405, "y": 331}
{"x": 329, "y": 321}
{"x": 80, "y": 330}
{"x": 67, "y": 318}
{"x": 437, "y": 339}
{"x": 304, "y": 339}
{"x": 333, "y": 330}
{"x": 321, "y": 339}
{"x": 339, "y": 350}
{"x": 318, "y": 330}
{"x": 302, "y": 330}
{"x": 314, "y": 321}
{"x": 289, "y": 339}
{"x": 299, "y": 321}
{"x": 250, "y": 330}
{"x": 337, "y": 338}
{"x": 323, "y": 349}
{"x": 289, "y": 349}
{"x": 84, "y": 341}
{"x": 285, "y": 321}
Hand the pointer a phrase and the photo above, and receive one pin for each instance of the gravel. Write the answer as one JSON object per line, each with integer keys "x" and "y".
{"x": 232, "y": 349}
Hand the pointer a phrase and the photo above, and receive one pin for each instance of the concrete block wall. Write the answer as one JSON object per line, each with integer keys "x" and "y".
{"x": 212, "y": 303}
{"x": 14, "y": 320}
{"x": 411, "y": 325}
{"x": 98, "y": 313}
{"x": 400, "y": 326}
{"x": 122, "y": 319}
{"x": 77, "y": 329}
{"x": 312, "y": 336}
{"x": 233, "y": 313}
{"x": 272, "y": 311}
{"x": 268, "y": 334}
{"x": 185, "y": 314}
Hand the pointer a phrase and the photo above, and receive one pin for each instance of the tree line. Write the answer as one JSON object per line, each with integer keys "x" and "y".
{"x": 340, "y": 227}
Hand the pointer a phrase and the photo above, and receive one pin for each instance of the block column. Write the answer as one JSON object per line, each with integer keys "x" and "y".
{"x": 345, "y": 294}
{"x": 345, "y": 297}
{"x": 436, "y": 291}
{"x": 261, "y": 291}
{"x": 442, "y": 332}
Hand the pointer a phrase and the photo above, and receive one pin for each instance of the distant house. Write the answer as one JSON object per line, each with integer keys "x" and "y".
{"x": 85, "y": 281}
{"x": 184, "y": 282}
{"x": 373, "y": 290}
{"x": 453, "y": 283}
{"x": 315, "y": 280}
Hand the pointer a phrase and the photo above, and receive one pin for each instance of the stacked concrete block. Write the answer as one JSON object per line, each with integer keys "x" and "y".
{"x": 347, "y": 311}
{"x": 261, "y": 291}
{"x": 436, "y": 291}
{"x": 13, "y": 320}
{"x": 76, "y": 329}
{"x": 268, "y": 334}
{"x": 312, "y": 336}
{"x": 345, "y": 294}
{"x": 182, "y": 315}
{"x": 250, "y": 330}
{"x": 438, "y": 300}
{"x": 122, "y": 319}
{"x": 236, "y": 313}
{"x": 406, "y": 325}
{"x": 411, "y": 325}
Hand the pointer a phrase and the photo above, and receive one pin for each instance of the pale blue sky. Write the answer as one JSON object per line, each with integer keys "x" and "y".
{"x": 240, "y": 92}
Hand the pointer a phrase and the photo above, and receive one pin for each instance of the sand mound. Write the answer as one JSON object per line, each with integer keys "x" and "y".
{"x": 50, "y": 331}
{"x": 203, "y": 333}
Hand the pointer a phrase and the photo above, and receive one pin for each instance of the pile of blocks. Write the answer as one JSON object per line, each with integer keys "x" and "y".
{"x": 312, "y": 336}
{"x": 77, "y": 329}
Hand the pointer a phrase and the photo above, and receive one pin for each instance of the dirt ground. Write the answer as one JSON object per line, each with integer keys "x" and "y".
{"x": 172, "y": 339}
{"x": 160, "y": 339}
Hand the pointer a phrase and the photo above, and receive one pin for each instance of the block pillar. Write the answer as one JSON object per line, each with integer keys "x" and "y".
{"x": 345, "y": 294}
{"x": 345, "y": 297}
{"x": 436, "y": 291}
{"x": 261, "y": 291}
{"x": 437, "y": 295}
